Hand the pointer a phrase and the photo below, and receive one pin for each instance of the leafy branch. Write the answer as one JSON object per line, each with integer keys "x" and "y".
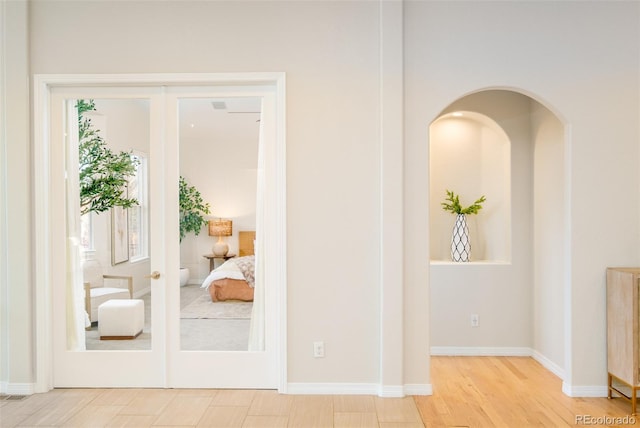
{"x": 104, "y": 175}
{"x": 192, "y": 209}
{"x": 452, "y": 204}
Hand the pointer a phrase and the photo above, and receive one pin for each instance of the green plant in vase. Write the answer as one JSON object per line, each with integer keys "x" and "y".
{"x": 460, "y": 242}
{"x": 452, "y": 204}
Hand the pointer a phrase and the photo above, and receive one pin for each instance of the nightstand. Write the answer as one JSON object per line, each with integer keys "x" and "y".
{"x": 212, "y": 259}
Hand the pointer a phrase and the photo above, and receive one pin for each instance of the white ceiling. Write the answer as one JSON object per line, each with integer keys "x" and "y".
{"x": 200, "y": 120}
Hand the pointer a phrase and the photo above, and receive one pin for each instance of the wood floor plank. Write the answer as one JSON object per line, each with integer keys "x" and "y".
{"x": 354, "y": 403}
{"x": 396, "y": 410}
{"x": 197, "y": 392}
{"x": 149, "y": 402}
{"x": 63, "y": 407}
{"x": 311, "y": 411}
{"x": 233, "y": 397}
{"x": 270, "y": 403}
{"x": 355, "y": 420}
{"x": 401, "y": 425}
{"x": 183, "y": 410}
{"x": 92, "y": 416}
{"x": 116, "y": 397}
{"x": 16, "y": 411}
{"x": 223, "y": 417}
{"x": 257, "y": 421}
{"x": 131, "y": 421}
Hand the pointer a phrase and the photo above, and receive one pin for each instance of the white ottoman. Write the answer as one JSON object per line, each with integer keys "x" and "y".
{"x": 120, "y": 319}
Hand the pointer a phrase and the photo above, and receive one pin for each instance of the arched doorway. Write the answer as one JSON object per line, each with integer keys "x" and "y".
{"x": 510, "y": 300}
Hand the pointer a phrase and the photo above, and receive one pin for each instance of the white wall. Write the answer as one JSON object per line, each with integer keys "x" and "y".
{"x": 579, "y": 59}
{"x": 549, "y": 235}
{"x": 4, "y": 329}
{"x": 16, "y": 330}
{"x": 330, "y": 53}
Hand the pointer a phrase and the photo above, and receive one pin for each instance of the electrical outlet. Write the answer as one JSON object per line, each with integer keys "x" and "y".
{"x": 475, "y": 320}
{"x": 318, "y": 349}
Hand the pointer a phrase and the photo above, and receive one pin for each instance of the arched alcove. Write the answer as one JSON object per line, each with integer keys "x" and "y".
{"x": 509, "y": 147}
{"x": 470, "y": 155}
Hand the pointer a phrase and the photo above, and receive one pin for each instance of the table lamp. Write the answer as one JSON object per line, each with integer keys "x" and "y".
{"x": 220, "y": 228}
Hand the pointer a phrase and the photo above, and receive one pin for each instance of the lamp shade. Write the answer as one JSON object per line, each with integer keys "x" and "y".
{"x": 220, "y": 227}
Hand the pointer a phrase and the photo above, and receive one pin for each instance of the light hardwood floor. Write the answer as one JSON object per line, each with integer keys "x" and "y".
{"x": 509, "y": 392}
{"x": 205, "y": 408}
{"x": 468, "y": 392}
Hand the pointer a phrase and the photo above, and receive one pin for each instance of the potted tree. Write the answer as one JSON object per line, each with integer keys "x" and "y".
{"x": 192, "y": 212}
{"x": 460, "y": 242}
{"x": 103, "y": 175}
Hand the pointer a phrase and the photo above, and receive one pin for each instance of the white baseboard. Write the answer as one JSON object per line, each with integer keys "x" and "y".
{"x": 584, "y": 391}
{"x": 481, "y": 351}
{"x": 548, "y": 364}
{"x": 358, "y": 389}
{"x": 17, "y": 388}
{"x": 332, "y": 388}
{"x": 390, "y": 391}
{"x": 418, "y": 389}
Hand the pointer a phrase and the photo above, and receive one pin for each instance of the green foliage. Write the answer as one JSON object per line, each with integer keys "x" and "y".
{"x": 192, "y": 209}
{"x": 103, "y": 174}
{"x": 452, "y": 204}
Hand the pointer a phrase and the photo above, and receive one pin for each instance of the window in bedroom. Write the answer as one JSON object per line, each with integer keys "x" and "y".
{"x": 86, "y": 232}
{"x": 139, "y": 215}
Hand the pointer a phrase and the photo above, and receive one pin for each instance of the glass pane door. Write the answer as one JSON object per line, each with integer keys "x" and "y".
{"x": 114, "y": 206}
{"x": 108, "y": 317}
{"x": 223, "y": 311}
{"x": 146, "y": 337}
{"x": 218, "y": 139}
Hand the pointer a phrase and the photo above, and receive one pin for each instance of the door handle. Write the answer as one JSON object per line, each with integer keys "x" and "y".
{"x": 154, "y": 275}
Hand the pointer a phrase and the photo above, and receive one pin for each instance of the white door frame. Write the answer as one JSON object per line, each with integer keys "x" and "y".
{"x": 43, "y": 200}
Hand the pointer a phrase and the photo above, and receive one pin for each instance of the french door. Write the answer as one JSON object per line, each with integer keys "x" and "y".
{"x": 255, "y": 366}
{"x": 145, "y": 121}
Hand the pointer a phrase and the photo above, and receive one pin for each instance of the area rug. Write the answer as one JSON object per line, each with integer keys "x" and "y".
{"x": 203, "y": 308}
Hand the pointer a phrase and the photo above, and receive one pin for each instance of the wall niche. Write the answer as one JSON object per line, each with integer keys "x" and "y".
{"x": 470, "y": 154}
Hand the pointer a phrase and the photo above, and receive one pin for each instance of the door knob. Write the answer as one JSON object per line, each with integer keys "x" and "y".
{"x": 154, "y": 275}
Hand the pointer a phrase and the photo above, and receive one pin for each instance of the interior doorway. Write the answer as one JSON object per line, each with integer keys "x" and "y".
{"x": 515, "y": 289}
{"x": 163, "y": 363}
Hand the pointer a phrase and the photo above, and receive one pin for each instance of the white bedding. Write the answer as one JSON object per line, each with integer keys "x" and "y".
{"x": 227, "y": 270}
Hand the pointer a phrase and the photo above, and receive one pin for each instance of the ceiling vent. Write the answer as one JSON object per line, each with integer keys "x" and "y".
{"x": 219, "y": 105}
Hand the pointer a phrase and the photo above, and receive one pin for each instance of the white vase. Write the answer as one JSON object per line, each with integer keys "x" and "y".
{"x": 184, "y": 276}
{"x": 460, "y": 244}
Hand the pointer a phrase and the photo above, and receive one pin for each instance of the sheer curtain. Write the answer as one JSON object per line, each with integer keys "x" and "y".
{"x": 256, "y": 329}
{"x": 76, "y": 319}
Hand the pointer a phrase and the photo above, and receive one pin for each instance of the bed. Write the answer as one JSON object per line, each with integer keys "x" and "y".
{"x": 234, "y": 279}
